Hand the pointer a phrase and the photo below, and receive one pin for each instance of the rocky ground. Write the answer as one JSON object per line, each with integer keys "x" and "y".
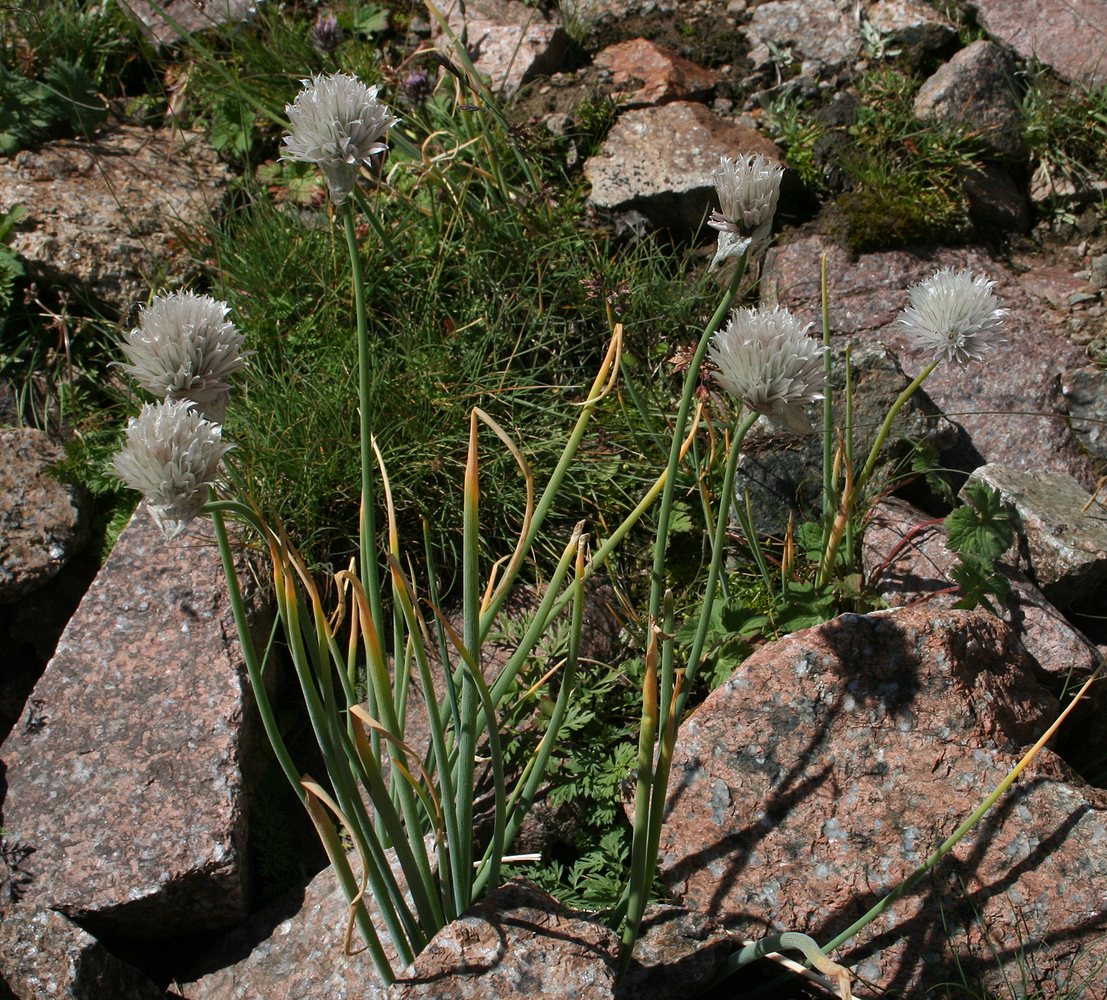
{"x": 813, "y": 781}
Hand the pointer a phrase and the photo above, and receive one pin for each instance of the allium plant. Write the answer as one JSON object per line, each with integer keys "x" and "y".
{"x": 953, "y": 316}
{"x": 337, "y": 124}
{"x": 184, "y": 347}
{"x": 172, "y": 457}
{"x": 769, "y": 364}
{"x": 748, "y": 188}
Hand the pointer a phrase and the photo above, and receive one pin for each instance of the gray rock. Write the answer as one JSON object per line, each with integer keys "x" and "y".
{"x": 104, "y": 215}
{"x": 1010, "y": 405}
{"x": 823, "y": 35}
{"x": 658, "y": 161}
{"x": 1061, "y": 539}
{"x": 130, "y": 790}
{"x": 975, "y": 89}
{"x": 168, "y": 21}
{"x": 834, "y": 761}
{"x": 42, "y": 520}
{"x": 904, "y": 556}
{"x": 42, "y": 954}
{"x": 1085, "y": 392}
{"x": 508, "y": 41}
{"x": 1066, "y": 35}
{"x": 782, "y": 472}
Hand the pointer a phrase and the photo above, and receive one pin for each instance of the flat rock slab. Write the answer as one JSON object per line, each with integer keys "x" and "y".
{"x": 42, "y": 520}
{"x": 1011, "y": 404}
{"x": 128, "y": 794}
{"x": 1063, "y": 534}
{"x": 658, "y": 161}
{"x": 171, "y": 20}
{"x": 836, "y": 760}
{"x": 1066, "y": 35}
{"x": 42, "y": 954}
{"x": 104, "y": 214}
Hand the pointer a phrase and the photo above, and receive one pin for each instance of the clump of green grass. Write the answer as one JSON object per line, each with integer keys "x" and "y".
{"x": 1066, "y": 129}
{"x": 891, "y": 180}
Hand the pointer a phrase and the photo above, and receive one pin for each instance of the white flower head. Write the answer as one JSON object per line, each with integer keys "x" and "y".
{"x": 953, "y": 316}
{"x": 171, "y": 456}
{"x": 767, "y": 362}
{"x": 748, "y": 188}
{"x": 184, "y": 347}
{"x": 337, "y": 123}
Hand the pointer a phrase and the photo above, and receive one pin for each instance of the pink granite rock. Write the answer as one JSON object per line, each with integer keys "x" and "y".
{"x": 42, "y": 954}
{"x": 129, "y": 789}
{"x": 42, "y": 520}
{"x": 106, "y": 213}
{"x": 905, "y": 558}
{"x": 1066, "y": 35}
{"x": 835, "y": 760}
{"x": 643, "y": 72}
{"x": 1011, "y": 404}
{"x": 509, "y": 42}
{"x": 520, "y": 943}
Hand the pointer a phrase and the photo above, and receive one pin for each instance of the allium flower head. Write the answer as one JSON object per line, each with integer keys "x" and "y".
{"x": 184, "y": 348}
{"x": 767, "y": 362}
{"x": 953, "y": 316}
{"x": 171, "y": 457}
{"x": 748, "y": 188}
{"x": 337, "y": 123}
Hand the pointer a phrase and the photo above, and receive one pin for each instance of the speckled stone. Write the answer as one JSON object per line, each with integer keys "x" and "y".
{"x": 128, "y": 791}
{"x": 510, "y": 42}
{"x": 1066, "y": 35}
{"x": 1062, "y": 536}
{"x": 905, "y": 558}
{"x": 42, "y": 519}
{"x": 1010, "y": 404}
{"x": 44, "y": 955}
{"x": 658, "y": 161}
{"x": 107, "y": 213}
{"x": 516, "y": 944}
{"x": 835, "y": 760}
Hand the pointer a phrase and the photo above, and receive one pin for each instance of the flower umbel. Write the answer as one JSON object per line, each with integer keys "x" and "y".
{"x": 184, "y": 348}
{"x": 953, "y": 316}
{"x": 767, "y": 362}
{"x": 337, "y": 124}
{"x": 171, "y": 457}
{"x": 748, "y": 188}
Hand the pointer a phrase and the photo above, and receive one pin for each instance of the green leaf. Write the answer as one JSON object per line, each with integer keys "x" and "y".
{"x": 981, "y": 527}
{"x": 369, "y": 20}
{"x": 978, "y": 580}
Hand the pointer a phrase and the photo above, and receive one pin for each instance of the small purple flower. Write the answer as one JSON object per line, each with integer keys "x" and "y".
{"x": 417, "y": 86}
{"x": 326, "y": 35}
